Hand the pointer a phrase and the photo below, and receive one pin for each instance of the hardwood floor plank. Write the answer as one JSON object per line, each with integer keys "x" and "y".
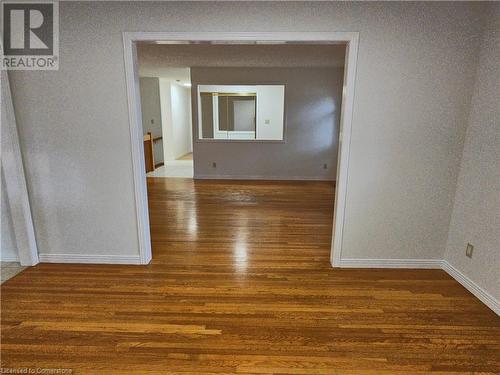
{"x": 241, "y": 283}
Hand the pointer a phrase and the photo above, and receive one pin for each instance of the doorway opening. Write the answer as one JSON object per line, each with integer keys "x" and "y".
{"x": 252, "y": 135}
{"x": 166, "y": 120}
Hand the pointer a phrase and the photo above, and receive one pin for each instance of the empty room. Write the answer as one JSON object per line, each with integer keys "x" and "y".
{"x": 250, "y": 187}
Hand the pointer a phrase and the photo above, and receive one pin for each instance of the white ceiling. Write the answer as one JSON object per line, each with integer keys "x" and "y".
{"x": 166, "y": 60}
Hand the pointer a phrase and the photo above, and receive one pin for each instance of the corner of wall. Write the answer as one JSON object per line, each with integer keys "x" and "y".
{"x": 469, "y": 107}
{"x": 474, "y": 211}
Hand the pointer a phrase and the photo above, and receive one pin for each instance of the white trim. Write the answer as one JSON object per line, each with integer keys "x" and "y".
{"x": 200, "y": 124}
{"x": 136, "y": 140}
{"x": 391, "y": 263}
{"x": 15, "y": 180}
{"x": 218, "y": 134}
{"x": 277, "y": 37}
{"x": 135, "y": 123}
{"x": 444, "y": 265}
{"x": 346, "y": 111}
{"x": 93, "y": 259}
{"x": 242, "y": 89}
{"x": 9, "y": 258}
{"x": 472, "y": 287}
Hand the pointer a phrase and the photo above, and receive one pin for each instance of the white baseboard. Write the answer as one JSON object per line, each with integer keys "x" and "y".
{"x": 95, "y": 259}
{"x": 264, "y": 178}
{"x": 9, "y": 258}
{"x": 391, "y": 263}
{"x": 472, "y": 287}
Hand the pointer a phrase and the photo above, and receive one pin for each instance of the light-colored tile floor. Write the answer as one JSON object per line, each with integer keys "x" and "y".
{"x": 188, "y": 156}
{"x": 9, "y": 270}
{"x": 175, "y": 168}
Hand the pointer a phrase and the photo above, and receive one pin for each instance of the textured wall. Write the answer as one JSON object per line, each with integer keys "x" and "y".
{"x": 312, "y": 112}
{"x": 415, "y": 71}
{"x": 476, "y": 211}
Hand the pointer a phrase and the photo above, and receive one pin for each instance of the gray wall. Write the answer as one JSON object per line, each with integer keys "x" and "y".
{"x": 151, "y": 111}
{"x": 416, "y": 67}
{"x": 312, "y": 112}
{"x": 476, "y": 212}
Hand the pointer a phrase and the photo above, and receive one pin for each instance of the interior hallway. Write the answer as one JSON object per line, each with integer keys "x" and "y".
{"x": 241, "y": 282}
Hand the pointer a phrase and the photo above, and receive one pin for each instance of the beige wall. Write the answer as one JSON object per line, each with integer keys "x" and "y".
{"x": 416, "y": 66}
{"x": 476, "y": 212}
{"x": 312, "y": 113}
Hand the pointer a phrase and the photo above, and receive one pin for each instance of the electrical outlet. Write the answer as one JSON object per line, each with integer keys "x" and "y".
{"x": 214, "y": 164}
{"x": 325, "y": 166}
{"x": 469, "y": 250}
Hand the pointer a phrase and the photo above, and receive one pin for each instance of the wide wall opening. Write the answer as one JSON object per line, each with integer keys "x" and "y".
{"x": 245, "y": 142}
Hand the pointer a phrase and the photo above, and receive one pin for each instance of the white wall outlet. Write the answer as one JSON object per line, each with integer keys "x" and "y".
{"x": 469, "y": 250}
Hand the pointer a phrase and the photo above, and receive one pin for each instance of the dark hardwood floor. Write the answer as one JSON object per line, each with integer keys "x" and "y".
{"x": 241, "y": 283}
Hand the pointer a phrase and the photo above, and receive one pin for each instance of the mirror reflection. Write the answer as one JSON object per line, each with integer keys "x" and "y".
{"x": 241, "y": 112}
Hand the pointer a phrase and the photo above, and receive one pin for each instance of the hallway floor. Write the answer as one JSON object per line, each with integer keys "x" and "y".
{"x": 188, "y": 156}
{"x": 175, "y": 168}
{"x": 241, "y": 283}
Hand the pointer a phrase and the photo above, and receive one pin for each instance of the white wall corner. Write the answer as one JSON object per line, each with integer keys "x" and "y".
{"x": 472, "y": 287}
{"x": 15, "y": 180}
{"x": 166, "y": 118}
{"x": 136, "y": 139}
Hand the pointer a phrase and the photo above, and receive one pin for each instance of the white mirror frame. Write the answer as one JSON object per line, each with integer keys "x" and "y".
{"x": 276, "y": 115}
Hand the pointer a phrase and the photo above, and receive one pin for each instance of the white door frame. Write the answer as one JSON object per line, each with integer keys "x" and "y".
{"x": 135, "y": 120}
{"x": 15, "y": 180}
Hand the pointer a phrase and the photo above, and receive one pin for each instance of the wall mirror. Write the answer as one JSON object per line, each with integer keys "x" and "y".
{"x": 235, "y": 112}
